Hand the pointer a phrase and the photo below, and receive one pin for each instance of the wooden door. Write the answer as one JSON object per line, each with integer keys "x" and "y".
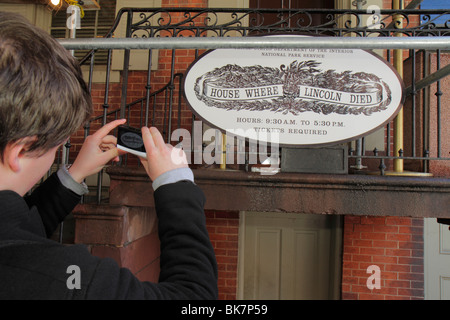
{"x": 290, "y": 256}
{"x": 437, "y": 260}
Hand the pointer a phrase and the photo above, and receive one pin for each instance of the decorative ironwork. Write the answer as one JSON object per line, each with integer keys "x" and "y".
{"x": 192, "y": 22}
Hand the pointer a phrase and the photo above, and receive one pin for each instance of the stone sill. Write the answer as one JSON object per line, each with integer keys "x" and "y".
{"x": 232, "y": 190}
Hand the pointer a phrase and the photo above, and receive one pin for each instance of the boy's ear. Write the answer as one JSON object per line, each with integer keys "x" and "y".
{"x": 15, "y": 151}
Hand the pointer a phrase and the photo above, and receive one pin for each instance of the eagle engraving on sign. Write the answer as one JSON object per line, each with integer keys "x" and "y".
{"x": 293, "y": 89}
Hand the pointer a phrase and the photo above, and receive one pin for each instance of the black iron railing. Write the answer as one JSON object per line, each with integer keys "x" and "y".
{"x": 196, "y": 22}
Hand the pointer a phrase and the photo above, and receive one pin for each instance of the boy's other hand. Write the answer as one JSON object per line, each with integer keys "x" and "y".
{"x": 161, "y": 157}
{"x": 97, "y": 150}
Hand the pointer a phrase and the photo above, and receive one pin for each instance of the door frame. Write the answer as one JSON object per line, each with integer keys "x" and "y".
{"x": 336, "y": 250}
{"x": 433, "y": 247}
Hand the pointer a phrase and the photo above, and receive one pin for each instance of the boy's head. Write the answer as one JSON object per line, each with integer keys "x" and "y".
{"x": 43, "y": 97}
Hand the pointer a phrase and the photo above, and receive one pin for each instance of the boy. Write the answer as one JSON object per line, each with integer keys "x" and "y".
{"x": 43, "y": 100}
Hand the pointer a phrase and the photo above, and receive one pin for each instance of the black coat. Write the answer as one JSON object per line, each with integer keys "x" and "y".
{"x": 34, "y": 267}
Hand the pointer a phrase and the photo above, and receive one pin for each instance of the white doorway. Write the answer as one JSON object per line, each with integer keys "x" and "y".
{"x": 286, "y": 256}
{"x": 436, "y": 260}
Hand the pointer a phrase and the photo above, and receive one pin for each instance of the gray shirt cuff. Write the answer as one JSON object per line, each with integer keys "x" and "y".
{"x": 68, "y": 182}
{"x": 173, "y": 176}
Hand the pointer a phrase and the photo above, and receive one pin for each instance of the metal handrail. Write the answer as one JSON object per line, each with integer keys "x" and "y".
{"x": 418, "y": 43}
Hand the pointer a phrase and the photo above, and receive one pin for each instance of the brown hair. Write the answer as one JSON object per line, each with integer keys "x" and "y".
{"x": 42, "y": 92}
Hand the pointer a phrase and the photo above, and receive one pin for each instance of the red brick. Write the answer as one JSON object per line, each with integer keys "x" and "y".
{"x": 410, "y": 276}
{"x": 395, "y": 244}
{"x": 398, "y": 268}
{"x": 384, "y": 228}
{"x": 410, "y": 261}
{"x": 385, "y": 244}
{"x": 352, "y": 219}
{"x": 371, "y": 296}
{"x": 226, "y": 260}
{"x": 349, "y": 280}
{"x": 349, "y": 296}
{"x": 351, "y": 250}
{"x": 405, "y": 221}
{"x": 351, "y": 235}
{"x": 361, "y": 258}
{"x": 384, "y": 259}
{"x": 363, "y": 243}
{"x": 232, "y": 230}
{"x": 389, "y": 297}
{"x": 417, "y": 284}
{"x": 362, "y": 228}
{"x": 398, "y": 237}
{"x": 399, "y": 283}
{"x": 372, "y": 251}
{"x": 411, "y": 292}
{"x": 399, "y": 252}
{"x": 373, "y": 235}
{"x": 373, "y": 220}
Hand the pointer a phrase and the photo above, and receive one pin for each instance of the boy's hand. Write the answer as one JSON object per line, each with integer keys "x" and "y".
{"x": 161, "y": 157}
{"x": 97, "y": 150}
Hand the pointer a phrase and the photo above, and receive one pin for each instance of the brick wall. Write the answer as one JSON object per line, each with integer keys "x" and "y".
{"x": 395, "y": 245}
{"x": 223, "y": 228}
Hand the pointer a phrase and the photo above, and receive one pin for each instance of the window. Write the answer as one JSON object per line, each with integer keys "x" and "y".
{"x": 95, "y": 24}
{"x": 314, "y": 19}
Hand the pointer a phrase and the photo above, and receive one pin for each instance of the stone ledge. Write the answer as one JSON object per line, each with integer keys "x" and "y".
{"x": 231, "y": 190}
{"x": 112, "y": 225}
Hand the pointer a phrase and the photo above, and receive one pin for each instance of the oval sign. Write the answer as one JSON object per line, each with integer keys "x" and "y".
{"x": 302, "y": 97}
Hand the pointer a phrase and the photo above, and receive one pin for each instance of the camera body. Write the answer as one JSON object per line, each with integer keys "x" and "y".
{"x": 129, "y": 139}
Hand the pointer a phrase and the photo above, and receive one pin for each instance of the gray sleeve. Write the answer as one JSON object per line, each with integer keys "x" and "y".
{"x": 68, "y": 182}
{"x": 173, "y": 176}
